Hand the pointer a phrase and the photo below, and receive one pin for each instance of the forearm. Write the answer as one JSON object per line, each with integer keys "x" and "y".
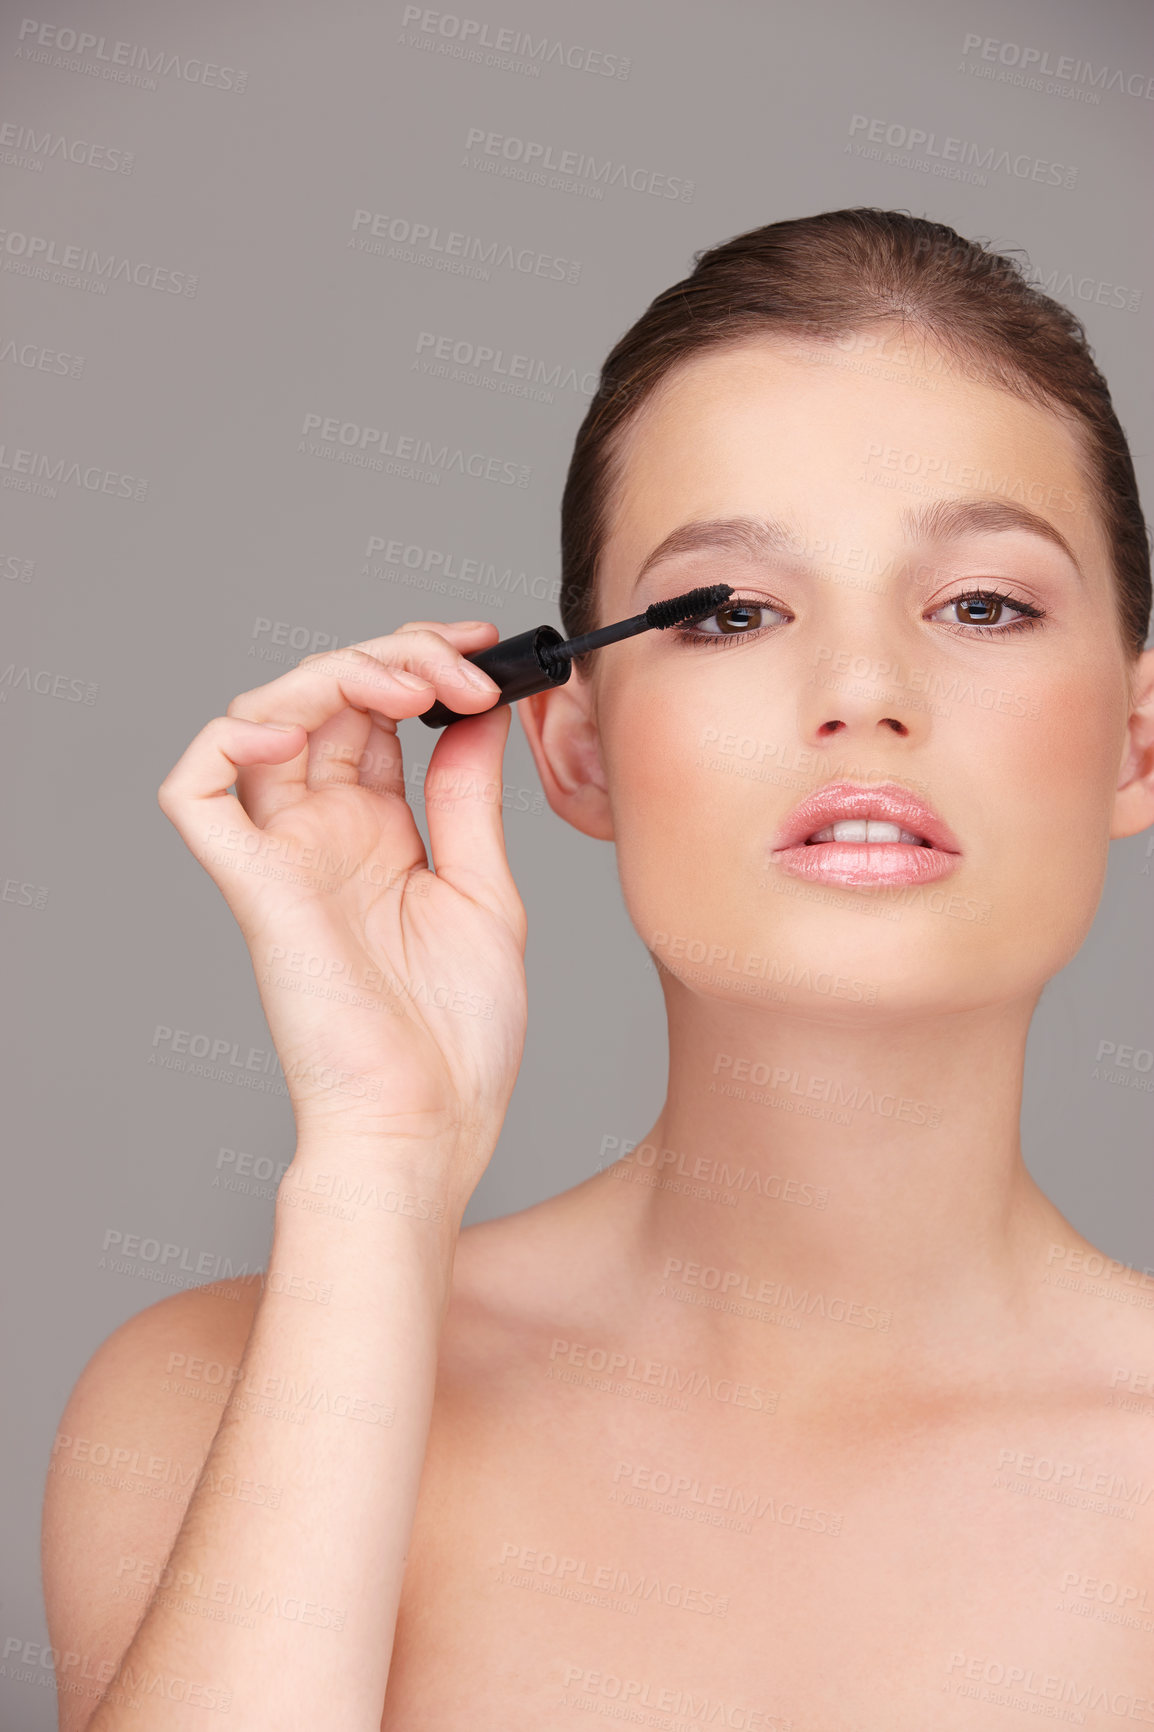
{"x": 286, "y": 1609}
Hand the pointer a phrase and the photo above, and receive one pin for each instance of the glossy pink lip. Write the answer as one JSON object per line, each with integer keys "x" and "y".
{"x": 855, "y": 863}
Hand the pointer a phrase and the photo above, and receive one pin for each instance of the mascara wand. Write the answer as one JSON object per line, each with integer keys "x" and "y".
{"x": 539, "y": 658}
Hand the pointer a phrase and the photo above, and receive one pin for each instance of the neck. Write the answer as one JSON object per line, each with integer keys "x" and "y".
{"x": 877, "y": 1165}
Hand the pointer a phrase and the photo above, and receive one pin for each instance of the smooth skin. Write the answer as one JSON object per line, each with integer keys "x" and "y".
{"x": 870, "y": 1455}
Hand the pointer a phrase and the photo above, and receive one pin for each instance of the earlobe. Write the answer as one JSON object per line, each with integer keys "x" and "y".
{"x": 563, "y": 738}
{"x": 1134, "y": 801}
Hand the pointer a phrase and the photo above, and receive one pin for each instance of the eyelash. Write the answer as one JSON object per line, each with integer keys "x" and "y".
{"x": 1031, "y": 615}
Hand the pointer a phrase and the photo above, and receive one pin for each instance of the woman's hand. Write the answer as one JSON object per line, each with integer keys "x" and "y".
{"x": 395, "y": 993}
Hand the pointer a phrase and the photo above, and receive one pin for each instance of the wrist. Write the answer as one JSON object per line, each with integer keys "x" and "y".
{"x": 324, "y": 1183}
{"x": 425, "y": 1180}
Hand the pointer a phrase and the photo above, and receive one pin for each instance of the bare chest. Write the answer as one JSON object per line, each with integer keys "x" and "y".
{"x": 582, "y": 1548}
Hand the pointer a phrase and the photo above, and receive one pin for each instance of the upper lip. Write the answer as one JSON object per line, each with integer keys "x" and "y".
{"x": 885, "y": 800}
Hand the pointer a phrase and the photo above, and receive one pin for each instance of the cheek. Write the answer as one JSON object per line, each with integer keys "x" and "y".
{"x": 1050, "y": 776}
{"x": 1054, "y": 801}
{"x": 696, "y": 796}
{"x": 699, "y": 786}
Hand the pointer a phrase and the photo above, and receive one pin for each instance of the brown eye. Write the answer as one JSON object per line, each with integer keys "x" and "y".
{"x": 733, "y": 619}
{"x": 979, "y": 609}
{"x": 983, "y": 609}
{"x": 737, "y": 617}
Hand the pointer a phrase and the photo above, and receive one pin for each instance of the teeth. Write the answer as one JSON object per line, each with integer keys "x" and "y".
{"x": 864, "y": 830}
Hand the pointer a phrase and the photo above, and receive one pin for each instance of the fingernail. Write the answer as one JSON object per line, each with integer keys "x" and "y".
{"x": 414, "y": 681}
{"x": 477, "y": 678}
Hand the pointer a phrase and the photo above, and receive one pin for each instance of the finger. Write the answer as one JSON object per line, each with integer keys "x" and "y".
{"x": 359, "y": 748}
{"x": 195, "y": 795}
{"x": 453, "y": 627}
{"x": 395, "y": 676}
{"x": 463, "y": 791}
{"x": 385, "y": 674}
{"x": 336, "y": 749}
{"x": 381, "y": 767}
{"x": 380, "y": 764}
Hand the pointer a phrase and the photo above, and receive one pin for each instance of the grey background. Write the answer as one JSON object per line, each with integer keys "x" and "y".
{"x": 153, "y": 605}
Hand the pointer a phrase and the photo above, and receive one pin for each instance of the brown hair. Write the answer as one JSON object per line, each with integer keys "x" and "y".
{"x": 828, "y": 276}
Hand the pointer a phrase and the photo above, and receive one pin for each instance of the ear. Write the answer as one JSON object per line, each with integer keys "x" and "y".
{"x": 563, "y": 737}
{"x": 1134, "y": 801}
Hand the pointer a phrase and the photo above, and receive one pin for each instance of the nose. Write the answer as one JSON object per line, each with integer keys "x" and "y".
{"x": 834, "y": 724}
{"x": 858, "y": 694}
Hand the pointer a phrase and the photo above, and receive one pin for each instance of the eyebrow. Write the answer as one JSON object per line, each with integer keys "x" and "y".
{"x": 759, "y": 538}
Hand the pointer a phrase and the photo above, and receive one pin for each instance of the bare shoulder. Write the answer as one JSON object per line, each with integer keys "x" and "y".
{"x": 1120, "y": 1297}
{"x": 1097, "y": 1343}
{"x": 521, "y": 1279}
{"x": 1115, "y": 1298}
{"x": 129, "y": 1448}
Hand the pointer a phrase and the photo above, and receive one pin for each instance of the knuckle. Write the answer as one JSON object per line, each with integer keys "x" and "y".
{"x": 430, "y": 639}
{"x": 427, "y": 652}
{"x": 351, "y": 659}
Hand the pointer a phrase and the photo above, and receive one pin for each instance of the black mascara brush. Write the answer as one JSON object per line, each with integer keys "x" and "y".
{"x": 537, "y": 659}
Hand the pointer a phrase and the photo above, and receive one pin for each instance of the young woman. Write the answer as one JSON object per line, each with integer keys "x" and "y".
{"x": 811, "y": 1410}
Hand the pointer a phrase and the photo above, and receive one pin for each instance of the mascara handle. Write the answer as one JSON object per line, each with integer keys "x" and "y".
{"x": 515, "y": 664}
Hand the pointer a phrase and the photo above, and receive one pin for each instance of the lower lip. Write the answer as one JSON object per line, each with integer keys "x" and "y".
{"x": 856, "y": 863}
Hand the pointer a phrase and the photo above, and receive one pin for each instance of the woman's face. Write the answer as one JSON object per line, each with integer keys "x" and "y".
{"x": 860, "y": 667}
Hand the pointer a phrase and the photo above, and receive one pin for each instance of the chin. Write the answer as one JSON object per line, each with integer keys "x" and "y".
{"x": 871, "y": 958}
